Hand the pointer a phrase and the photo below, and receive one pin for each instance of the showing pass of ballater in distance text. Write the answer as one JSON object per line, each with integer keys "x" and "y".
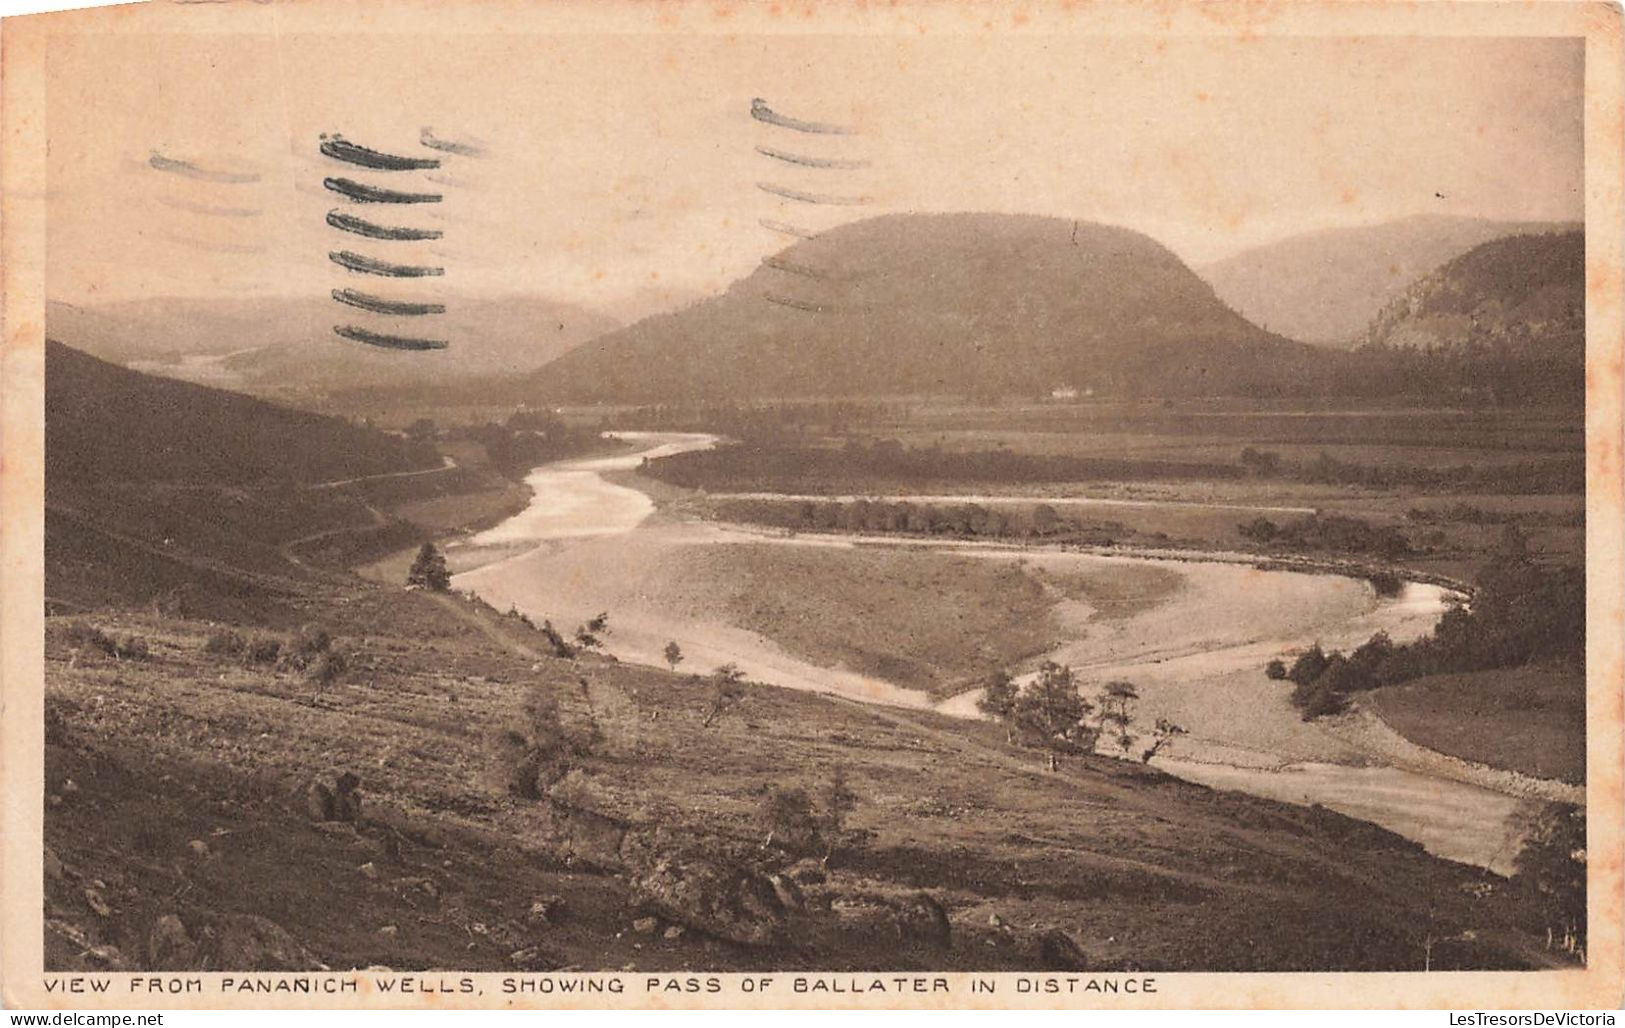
{"x": 538, "y": 504}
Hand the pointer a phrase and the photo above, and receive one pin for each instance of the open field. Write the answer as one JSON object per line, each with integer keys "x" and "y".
{"x": 922, "y": 620}
{"x": 1524, "y": 720}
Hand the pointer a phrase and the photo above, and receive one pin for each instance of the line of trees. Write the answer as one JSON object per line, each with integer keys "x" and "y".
{"x": 1522, "y": 613}
{"x": 881, "y": 465}
{"x": 959, "y": 520}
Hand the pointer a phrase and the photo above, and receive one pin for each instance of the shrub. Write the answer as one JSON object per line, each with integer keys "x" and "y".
{"x": 554, "y": 639}
{"x": 83, "y": 636}
{"x": 262, "y": 649}
{"x": 302, "y": 649}
{"x": 131, "y": 647}
{"x": 225, "y": 642}
{"x": 326, "y": 669}
{"x": 538, "y": 747}
{"x": 1551, "y": 870}
{"x": 1259, "y": 530}
{"x": 1275, "y": 670}
{"x": 1310, "y": 665}
{"x": 791, "y": 822}
{"x": 1386, "y": 583}
{"x": 1316, "y": 700}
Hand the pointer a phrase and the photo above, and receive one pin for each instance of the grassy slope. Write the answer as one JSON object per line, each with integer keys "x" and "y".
{"x": 1524, "y": 719}
{"x": 1142, "y": 870}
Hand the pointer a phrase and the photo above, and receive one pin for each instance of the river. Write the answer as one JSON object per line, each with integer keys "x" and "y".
{"x": 586, "y": 544}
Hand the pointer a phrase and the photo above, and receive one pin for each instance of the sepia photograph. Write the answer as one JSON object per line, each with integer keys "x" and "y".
{"x": 549, "y": 504}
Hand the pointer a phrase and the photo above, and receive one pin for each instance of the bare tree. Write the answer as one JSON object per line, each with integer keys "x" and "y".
{"x": 728, "y": 690}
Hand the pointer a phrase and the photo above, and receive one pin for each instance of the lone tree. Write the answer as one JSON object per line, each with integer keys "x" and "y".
{"x": 590, "y": 636}
{"x": 429, "y": 570}
{"x": 1052, "y": 710}
{"x": 1163, "y": 737}
{"x": 674, "y": 654}
{"x": 728, "y": 684}
{"x": 1117, "y": 713}
{"x": 998, "y": 701}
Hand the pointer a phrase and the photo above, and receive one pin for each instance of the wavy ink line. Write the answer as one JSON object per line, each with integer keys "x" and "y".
{"x": 210, "y": 209}
{"x": 763, "y": 113}
{"x": 462, "y": 149}
{"x": 800, "y": 305}
{"x": 805, "y": 161}
{"x": 791, "y": 267}
{"x": 388, "y": 342}
{"x": 820, "y": 198}
{"x": 372, "y": 266}
{"x": 362, "y": 193}
{"x": 362, "y": 227}
{"x": 379, "y": 305}
{"x": 199, "y": 244}
{"x": 341, "y": 149}
{"x": 785, "y": 228}
{"x": 179, "y": 167}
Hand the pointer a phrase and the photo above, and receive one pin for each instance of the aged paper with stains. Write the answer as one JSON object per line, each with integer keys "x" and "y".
{"x": 565, "y": 505}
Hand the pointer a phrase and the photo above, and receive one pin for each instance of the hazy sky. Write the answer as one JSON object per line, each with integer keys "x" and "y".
{"x": 621, "y": 168}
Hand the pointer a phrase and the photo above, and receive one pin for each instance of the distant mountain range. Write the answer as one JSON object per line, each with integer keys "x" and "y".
{"x": 1326, "y": 287}
{"x": 970, "y": 304}
{"x": 285, "y": 346}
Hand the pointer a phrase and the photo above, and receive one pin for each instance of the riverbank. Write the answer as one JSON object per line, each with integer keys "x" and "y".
{"x": 1196, "y": 655}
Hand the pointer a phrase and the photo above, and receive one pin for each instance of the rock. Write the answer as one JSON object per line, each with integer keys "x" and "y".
{"x": 921, "y": 917}
{"x": 389, "y": 931}
{"x": 646, "y": 925}
{"x": 98, "y": 903}
{"x": 199, "y": 848}
{"x": 728, "y": 902}
{"x": 369, "y": 870}
{"x": 533, "y": 958}
{"x": 70, "y": 788}
{"x": 169, "y": 946}
{"x": 788, "y": 893}
{"x": 106, "y": 956}
{"x": 807, "y": 872}
{"x": 52, "y": 865}
{"x": 673, "y": 933}
{"x": 995, "y": 921}
{"x": 333, "y": 797}
{"x": 248, "y": 942}
{"x": 1058, "y": 952}
{"x": 910, "y": 919}
{"x": 545, "y": 910}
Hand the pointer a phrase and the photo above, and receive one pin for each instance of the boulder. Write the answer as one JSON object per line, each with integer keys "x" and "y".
{"x": 1057, "y": 951}
{"x": 911, "y": 918}
{"x": 248, "y": 942}
{"x": 170, "y": 946}
{"x": 711, "y": 896}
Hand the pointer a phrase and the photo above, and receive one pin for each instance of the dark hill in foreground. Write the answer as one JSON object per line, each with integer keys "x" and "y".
{"x": 104, "y": 422}
{"x": 955, "y": 304}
